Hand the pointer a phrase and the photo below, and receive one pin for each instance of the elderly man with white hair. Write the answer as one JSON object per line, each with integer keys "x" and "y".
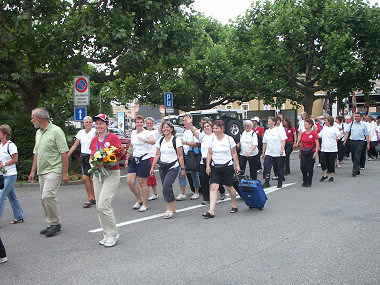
{"x": 51, "y": 164}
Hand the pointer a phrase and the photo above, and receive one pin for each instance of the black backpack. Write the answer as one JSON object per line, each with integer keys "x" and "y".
{"x": 18, "y": 164}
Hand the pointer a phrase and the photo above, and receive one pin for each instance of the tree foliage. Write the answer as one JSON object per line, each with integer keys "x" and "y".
{"x": 296, "y": 48}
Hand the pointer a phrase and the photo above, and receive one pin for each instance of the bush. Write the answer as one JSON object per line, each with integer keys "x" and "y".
{"x": 23, "y": 135}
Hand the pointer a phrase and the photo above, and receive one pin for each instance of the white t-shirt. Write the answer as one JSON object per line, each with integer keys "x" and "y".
{"x": 85, "y": 140}
{"x": 247, "y": 141}
{"x": 205, "y": 141}
{"x": 168, "y": 153}
{"x": 221, "y": 150}
{"x": 152, "y": 147}
{"x": 188, "y": 136}
{"x": 301, "y": 125}
{"x": 273, "y": 138}
{"x": 329, "y": 136}
{"x": 340, "y": 126}
{"x": 140, "y": 147}
{"x": 5, "y": 157}
{"x": 372, "y": 128}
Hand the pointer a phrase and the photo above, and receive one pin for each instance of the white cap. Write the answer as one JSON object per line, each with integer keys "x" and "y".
{"x": 255, "y": 119}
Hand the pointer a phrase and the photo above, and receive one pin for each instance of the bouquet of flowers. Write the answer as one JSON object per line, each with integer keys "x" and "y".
{"x": 104, "y": 159}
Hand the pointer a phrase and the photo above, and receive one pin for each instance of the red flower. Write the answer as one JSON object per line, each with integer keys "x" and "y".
{"x": 104, "y": 159}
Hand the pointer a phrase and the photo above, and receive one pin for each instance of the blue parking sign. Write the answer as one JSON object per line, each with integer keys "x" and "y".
{"x": 80, "y": 113}
{"x": 168, "y": 98}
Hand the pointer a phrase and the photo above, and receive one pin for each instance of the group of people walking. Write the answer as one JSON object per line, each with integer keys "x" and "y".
{"x": 220, "y": 159}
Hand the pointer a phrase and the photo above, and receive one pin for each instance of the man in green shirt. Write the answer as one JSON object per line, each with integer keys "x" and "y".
{"x": 51, "y": 163}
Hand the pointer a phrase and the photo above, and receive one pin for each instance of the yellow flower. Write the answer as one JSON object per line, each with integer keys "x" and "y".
{"x": 112, "y": 158}
{"x": 106, "y": 149}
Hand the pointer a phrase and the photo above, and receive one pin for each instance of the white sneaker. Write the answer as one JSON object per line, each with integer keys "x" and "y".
{"x": 3, "y": 259}
{"x": 194, "y": 197}
{"x": 103, "y": 241}
{"x": 180, "y": 197}
{"x": 339, "y": 166}
{"x": 222, "y": 196}
{"x": 111, "y": 241}
{"x": 153, "y": 197}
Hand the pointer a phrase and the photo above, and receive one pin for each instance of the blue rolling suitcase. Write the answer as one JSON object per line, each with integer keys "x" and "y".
{"x": 252, "y": 193}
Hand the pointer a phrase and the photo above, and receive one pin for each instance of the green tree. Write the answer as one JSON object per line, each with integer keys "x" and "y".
{"x": 291, "y": 49}
{"x": 49, "y": 41}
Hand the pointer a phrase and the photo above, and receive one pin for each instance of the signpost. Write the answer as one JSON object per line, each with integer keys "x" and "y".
{"x": 81, "y": 91}
{"x": 168, "y": 99}
{"x": 80, "y": 113}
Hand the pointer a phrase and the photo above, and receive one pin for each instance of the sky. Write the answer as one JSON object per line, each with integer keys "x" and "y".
{"x": 223, "y": 10}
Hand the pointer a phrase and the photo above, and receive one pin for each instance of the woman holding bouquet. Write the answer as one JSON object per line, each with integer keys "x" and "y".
{"x": 105, "y": 186}
{"x": 139, "y": 164}
{"x": 170, "y": 154}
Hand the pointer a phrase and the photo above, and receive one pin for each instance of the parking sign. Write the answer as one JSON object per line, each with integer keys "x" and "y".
{"x": 168, "y": 98}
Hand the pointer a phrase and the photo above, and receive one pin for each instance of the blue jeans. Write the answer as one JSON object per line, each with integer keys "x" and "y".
{"x": 9, "y": 192}
{"x": 194, "y": 176}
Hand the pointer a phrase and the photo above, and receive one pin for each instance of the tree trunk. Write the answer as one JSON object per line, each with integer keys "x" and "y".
{"x": 30, "y": 96}
{"x": 308, "y": 101}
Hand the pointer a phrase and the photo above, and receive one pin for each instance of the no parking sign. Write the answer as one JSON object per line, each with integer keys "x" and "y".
{"x": 81, "y": 91}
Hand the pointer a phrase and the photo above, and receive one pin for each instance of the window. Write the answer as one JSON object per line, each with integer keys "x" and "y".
{"x": 245, "y": 108}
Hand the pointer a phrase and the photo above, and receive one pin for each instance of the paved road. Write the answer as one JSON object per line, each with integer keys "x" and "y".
{"x": 326, "y": 234}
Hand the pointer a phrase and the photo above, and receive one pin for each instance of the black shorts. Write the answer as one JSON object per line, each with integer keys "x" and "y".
{"x": 222, "y": 178}
{"x": 85, "y": 158}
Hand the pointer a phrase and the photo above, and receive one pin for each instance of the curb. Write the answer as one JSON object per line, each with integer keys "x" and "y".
{"x": 36, "y": 184}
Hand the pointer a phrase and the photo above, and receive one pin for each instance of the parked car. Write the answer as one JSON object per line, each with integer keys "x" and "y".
{"x": 125, "y": 140}
{"x": 233, "y": 118}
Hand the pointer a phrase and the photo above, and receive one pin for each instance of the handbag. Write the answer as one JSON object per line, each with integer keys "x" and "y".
{"x": 308, "y": 150}
{"x": 165, "y": 165}
{"x": 221, "y": 167}
{"x": 1, "y": 182}
{"x": 136, "y": 159}
{"x": 194, "y": 157}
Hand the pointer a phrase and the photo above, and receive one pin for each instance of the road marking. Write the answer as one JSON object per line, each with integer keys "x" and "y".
{"x": 267, "y": 191}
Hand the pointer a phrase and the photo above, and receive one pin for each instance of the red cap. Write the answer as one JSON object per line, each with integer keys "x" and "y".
{"x": 102, "y": 117}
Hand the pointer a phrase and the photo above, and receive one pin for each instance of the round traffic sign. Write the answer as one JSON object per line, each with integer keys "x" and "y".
{"x": 81, "y": 85}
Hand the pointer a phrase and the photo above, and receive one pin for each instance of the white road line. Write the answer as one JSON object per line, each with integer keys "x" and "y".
{"x": 267, "y": 191}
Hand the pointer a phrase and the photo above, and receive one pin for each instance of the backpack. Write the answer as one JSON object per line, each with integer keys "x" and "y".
{"x": 18, "y": 164}
{"x": 173, "y": 141}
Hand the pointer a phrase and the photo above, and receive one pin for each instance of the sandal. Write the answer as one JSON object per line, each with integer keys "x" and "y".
{"x": 208, "y": 215}
{"x": 93, "y": 202}
{"x": 234, "y": 210}
{"x": 87, "y": 204}
{"x": 168, "y": 215}
{"x": 15, "y": 221}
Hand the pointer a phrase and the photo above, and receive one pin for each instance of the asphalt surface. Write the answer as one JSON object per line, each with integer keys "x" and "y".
{"x": 326, "y": 234}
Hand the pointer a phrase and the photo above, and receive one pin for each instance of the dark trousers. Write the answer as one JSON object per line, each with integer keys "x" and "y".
{"x": 168, "y": 177}
{"x": 307, "y": 167}
{"x": 205, "y": 183}
{"x": 372, "y": 151}
{"x": 328, "y": 161}
{"x": 2, "y": 250}
{"x": 278, "y": 167}
{"x": 341, "y": 150}
{"x": 356, "y": 155}
{"x": 288, "y": 151}
{"x": 363, "y": 157}
{"x": 252, "y": 160}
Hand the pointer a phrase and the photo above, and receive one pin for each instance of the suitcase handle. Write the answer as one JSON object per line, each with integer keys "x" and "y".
{"x": 246, "y": 184}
